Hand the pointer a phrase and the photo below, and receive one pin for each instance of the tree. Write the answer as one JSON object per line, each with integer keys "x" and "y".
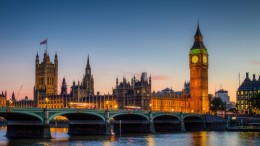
{"x": 216, "y": 104}
{"x": 234, "y": 110}
{"x": 254, "y": 101}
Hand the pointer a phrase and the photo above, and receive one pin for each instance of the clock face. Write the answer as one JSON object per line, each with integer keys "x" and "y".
{"x": 205, "y": 59}
{"x": 194, "y": 59}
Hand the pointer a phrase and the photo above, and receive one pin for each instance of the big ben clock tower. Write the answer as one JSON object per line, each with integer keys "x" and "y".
{"x": 199, "y": 75}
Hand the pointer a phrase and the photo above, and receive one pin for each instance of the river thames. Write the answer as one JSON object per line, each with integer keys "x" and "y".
{"x": 204, "y": 138}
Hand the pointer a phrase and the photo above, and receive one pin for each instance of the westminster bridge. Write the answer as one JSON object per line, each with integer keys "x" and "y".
{"x": 35, "y": 122}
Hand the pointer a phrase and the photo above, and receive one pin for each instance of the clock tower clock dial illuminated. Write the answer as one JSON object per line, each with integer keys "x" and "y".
{"x": 205, "y": 59}
{"x": 194, "y": 59}
{"x": 199, "y": 75}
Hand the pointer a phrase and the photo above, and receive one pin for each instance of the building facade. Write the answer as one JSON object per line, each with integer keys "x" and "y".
{"x": 198, "y": 59}
{"x": 46, "y": 95}
{"x": 136, "y": 93}
{"x": 245, "y": 92}
{"x": 169, "y": 100}
{"x": 24, "y": 103}
{"x": 223, "y": 95}
{"x": 84, "y": 88}
{"x": 46, "y": 77}
{"x": 3, "y": 99}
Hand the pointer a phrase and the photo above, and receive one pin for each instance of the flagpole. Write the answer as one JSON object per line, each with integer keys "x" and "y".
{"x": 46, "y": 45}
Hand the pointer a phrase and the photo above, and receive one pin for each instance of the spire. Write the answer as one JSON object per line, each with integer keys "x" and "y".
{"x": 198, "y": 33}
{"x": 198, "y": 39}
{"x": 64, "y": 87}
{"x": 63, "y": 81}
{"x": 88, "y": 65}
{"x": 56, "y": 56}
{"x": 37, "y": 56}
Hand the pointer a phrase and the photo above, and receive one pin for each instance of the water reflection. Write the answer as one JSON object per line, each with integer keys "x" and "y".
{"x": 150, "y": 140}
{"x": 60, "y": 137}
{"x": 199, "y": 138}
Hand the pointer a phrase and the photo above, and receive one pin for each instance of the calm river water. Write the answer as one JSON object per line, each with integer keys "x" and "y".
{"x": 61, "y": 138}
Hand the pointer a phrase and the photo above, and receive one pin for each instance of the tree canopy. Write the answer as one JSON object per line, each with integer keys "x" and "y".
{"x": 216, "y": 104}
{"x": 255, "y": 101}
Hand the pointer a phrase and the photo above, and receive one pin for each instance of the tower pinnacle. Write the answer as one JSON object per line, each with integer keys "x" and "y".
{"x": 198, "y": 39}
{"x": 88, "y": 65}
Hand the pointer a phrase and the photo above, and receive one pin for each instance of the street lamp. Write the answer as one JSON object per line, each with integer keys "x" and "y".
{"x": 107, "y": 104}
{"x": 46, "y": 102}
{"x": 150, "y": 105}
{"x": 115, "y": 107}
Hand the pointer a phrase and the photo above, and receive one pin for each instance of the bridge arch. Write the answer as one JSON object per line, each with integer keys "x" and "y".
{"x": 166, "y": 114}
{"x": 66, "y": 113}
{"x": 193, "y": 123}
{"x": 137, "y": 114}
{"x": 130, "y": 123}
{"x": 22, "y": 116}
{"x": 82, "y": 122}
{"x": 166, "y": 123}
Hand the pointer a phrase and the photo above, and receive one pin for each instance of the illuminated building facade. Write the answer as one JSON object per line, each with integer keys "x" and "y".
{"x": 245, "y": 92}
{"x": 169, "y": 100}
{"x": 198, "y": 59}
{"x": 3, "y": 99}
{"x": 46, "y": 77}
{"x": 136, "y": 93}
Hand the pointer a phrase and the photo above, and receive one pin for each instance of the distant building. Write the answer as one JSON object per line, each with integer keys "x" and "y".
{"x": 230, "y": 105}
{"x": 3, "y": 99}
{"x": 136, "y": 93}
{"x": 223, "y": 95}
{"x": 245, "y": 92}
{"x": 13, "y": 97}
{"x": 86, "y": 87}
{"x": 24, "y": 103}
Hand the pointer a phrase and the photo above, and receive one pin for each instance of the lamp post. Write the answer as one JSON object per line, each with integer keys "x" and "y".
{"x": 107, "y": 105}
{"x": 150, "y": 105}
{"x": 46, "y": 102}
{"x": 115, "y": 107}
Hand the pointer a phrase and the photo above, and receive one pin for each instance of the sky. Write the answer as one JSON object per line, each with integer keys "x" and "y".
{"x": 124, "y": 38}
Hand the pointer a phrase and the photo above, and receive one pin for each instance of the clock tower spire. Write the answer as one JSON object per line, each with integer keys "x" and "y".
{"x": 198, "y": 57}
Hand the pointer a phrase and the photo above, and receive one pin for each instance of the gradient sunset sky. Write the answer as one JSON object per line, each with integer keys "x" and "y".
{"x": 127, "y": 37}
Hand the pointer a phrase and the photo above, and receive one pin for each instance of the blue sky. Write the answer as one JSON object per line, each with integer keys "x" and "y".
{"x": 126, "y": 37}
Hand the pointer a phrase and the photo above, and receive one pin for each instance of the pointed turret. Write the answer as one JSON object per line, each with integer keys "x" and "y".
{"x": 117, "y": 82}
{"x": 88, "y": 65}
{"x": 63, "y": 87}
{"x": 37, "y": 56}
{"x": 56, "y": 56}
{"x": 198, "y": 39}
{"x": 13, "y": 97}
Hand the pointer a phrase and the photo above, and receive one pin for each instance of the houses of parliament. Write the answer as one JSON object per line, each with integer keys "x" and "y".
{"x": 135, "y": 93}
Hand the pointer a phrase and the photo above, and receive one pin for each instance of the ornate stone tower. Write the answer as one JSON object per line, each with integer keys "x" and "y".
{"x": 198, "y": 59}
{"x": 63, "y": 88}
{"x": 88, "y": 80}
{"x": 46, "y": 77}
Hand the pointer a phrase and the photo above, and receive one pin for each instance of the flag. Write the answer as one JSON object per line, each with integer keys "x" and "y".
{"x": 43, "y": 42}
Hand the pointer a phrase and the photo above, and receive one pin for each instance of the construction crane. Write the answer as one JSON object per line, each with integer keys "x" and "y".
{"x": 19, "y": 91}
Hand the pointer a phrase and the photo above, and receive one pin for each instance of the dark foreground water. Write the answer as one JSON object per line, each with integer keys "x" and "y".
{"x": 60, "y": 138}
